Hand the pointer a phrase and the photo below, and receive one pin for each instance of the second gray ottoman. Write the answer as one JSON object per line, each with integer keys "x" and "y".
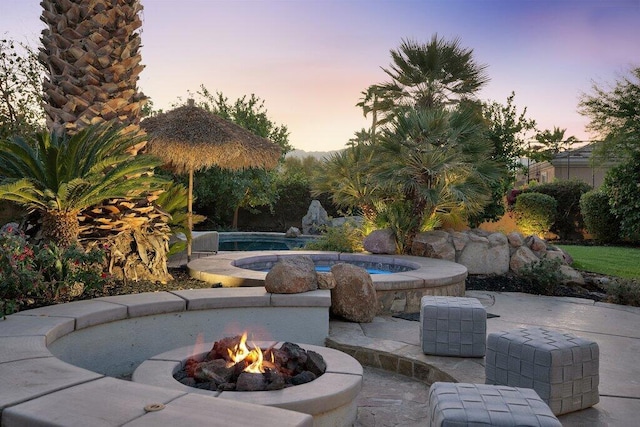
{"x": 562, "y": 368}
{"x": 453, "y": 326}
{"x": 460, "y": 404}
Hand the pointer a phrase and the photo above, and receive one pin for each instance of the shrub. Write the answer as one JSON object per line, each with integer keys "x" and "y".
{"x": 535, "y": 213}
{"x": 568, "y": 222}
{"x": 44, "y": 274}
{"x": 599, "y": 221}
{"x": 346, "y": 238}
{"x": 621, "y": 186}
{"x": 624, "y": 291}
{"x": 542, "y": 276}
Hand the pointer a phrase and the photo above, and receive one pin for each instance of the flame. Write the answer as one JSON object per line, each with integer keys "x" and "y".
{"x": 254, "y": 356}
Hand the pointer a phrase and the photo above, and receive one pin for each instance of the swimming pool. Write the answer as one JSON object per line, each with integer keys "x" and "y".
{"x": 260, "y": 241}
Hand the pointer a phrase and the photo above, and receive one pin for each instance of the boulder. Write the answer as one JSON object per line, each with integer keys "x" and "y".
{"x": 354, "y": 297}
{"x": 293, "y": 232}
{"x": 515, "y": 239}
{"x": 292, "y": 275}
{"x": 380, "y": 242}
{"x": 326, "y": 280}
{"x": 460, "y": 240}
{"x": 522, "y": 257}
{"x": 571, "y": 276}
{"x": 315, "y": 219}
{"x": 536, "y": 244}
{"x": 434, "y": 244}
{"x": 486, "y": 255}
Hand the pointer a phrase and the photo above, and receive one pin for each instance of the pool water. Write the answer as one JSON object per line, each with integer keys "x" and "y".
{"x": 327, "y": 268}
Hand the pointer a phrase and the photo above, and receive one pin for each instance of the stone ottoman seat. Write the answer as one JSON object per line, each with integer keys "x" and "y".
{"x": 461, "y": 404}
{"x": 562, "y": 368}
{"x": 453, "y": 326}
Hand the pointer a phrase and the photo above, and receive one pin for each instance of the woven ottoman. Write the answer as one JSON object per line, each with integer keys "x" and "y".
{"x": 460, "y": 404}
{"x": 453, "y": 326}
{"x": 562, "y": 368}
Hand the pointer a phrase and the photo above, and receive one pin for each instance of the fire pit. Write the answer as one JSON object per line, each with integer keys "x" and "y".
{"x": 329, "y": 398}
{"x": 231, "y": 365}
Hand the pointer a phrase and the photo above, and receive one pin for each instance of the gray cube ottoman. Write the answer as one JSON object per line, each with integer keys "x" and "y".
{"x": 460, "y": 404}
{"x": 453, "y": 326}
{"x": 562, "y": 368}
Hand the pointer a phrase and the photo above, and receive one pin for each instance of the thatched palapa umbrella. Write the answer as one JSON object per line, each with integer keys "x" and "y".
{"x": 189, "y": 138}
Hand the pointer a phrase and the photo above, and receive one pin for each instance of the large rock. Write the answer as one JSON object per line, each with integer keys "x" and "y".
{"x": 292, "y": 232}
{"x": 354, "y": 297}
{"x": 516, "y": 239}
{"x": 571, "y": 276}
{"x": 434, "y": 244}
{"x": 522, "y": 257}
{"x": 380, "y": 242}
{"x": 326, "y": 280}
{"x": 315, "y": 219}
{"x": 292, "y": 275}
{"x": 486, "y": 255}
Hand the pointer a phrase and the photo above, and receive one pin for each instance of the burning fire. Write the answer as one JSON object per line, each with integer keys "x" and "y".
{"x": 253, "y": 357}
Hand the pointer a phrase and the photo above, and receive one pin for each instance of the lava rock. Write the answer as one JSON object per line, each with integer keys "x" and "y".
{"x": 303, "y": 378}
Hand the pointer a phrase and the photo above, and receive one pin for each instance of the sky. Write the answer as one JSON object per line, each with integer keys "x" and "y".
{"x": 309, "y": 60}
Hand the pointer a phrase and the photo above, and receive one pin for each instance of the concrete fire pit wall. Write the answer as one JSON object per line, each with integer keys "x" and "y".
{"x": 54, "y": 360}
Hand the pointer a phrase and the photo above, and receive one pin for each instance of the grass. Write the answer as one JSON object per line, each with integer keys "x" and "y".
{"x": 610, "y": 260}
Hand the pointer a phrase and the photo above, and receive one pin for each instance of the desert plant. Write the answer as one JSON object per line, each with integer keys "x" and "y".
{"x": 535, "y": 213}
{"x": 542, "y": 276}
{"x": 599, "y": 221}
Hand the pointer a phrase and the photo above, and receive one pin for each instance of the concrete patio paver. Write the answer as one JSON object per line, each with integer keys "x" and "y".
{"x": 613, "y": 327}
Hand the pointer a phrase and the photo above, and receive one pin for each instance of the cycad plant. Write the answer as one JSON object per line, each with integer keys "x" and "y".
{"x": 58, "y": 175}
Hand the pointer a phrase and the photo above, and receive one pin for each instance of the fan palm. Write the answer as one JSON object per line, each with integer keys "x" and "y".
{"x": 435, "y": 74}
{"x": 59, "y": 176}
{"x": 346, "y": 176}
{"x": 437, "y": 161}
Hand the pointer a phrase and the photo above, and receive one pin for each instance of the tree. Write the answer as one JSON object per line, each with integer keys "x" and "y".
{"x": 20, "y": 90}
{"x": 435, "y": 163}
{"x": 248, "y": 188}
{"x": 440, "y": 73}
{"x": 621, "y": 186}
{"x": 91, "y": 51}
{"x": 549, "y": 143}
{"x": 347, "y": 176}
{"x": 59, "y": 176}
{"x": 614, "y": 115}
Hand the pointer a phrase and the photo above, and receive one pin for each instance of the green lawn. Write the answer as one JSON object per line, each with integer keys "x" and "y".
{"x": 609, "y": 260}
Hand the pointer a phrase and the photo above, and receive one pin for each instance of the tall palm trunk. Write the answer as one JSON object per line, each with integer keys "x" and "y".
{"x": 91, "y": 51}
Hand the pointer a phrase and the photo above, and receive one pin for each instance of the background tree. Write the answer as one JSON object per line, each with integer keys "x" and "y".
{"x": 220, "y": 194}
{"x": 21, "y": 110}
{"x": 549, "y": 143}
{"x": 508, "y": 131}
{"x": 614, "y": 114}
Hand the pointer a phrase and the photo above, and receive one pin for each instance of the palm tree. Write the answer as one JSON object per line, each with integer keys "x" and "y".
{"x": 436, "y": 161}
{"x": 346, "y": 176}
{"x": 58, "y": 176}
{"x": 90, "y": 50}
{"x": 435, "y": 74}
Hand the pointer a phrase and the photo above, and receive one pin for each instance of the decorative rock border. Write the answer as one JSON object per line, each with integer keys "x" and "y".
{"x": 38, "y": 388}
{"x": 397, "y": 292}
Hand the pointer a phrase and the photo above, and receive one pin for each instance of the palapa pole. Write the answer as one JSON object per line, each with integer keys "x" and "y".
{"x": 190, "y": 214}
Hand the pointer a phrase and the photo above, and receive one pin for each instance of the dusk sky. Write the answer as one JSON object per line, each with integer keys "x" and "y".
{"x": 309, "y": 60}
